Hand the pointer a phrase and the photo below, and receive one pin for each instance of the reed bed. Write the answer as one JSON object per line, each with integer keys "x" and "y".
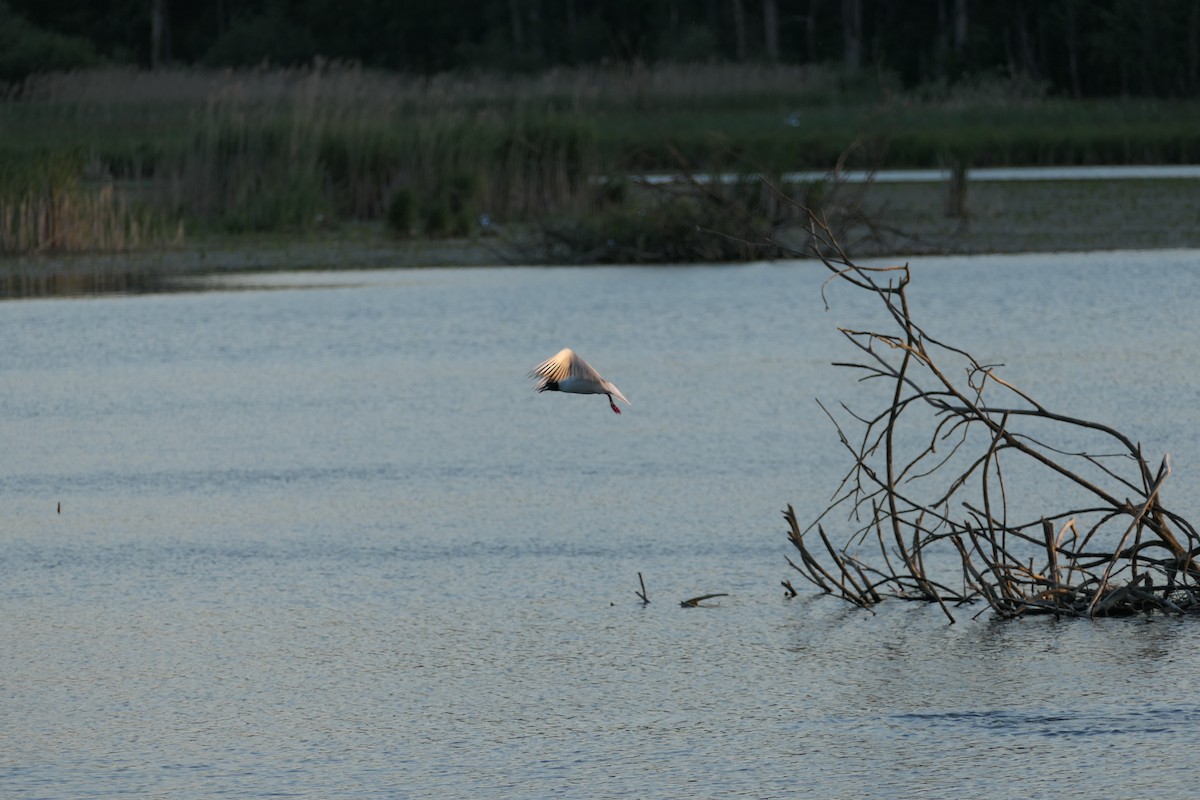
{"x": 313, "y": 148}
{"x": 310, "y": 164}
{"x": 80, "y": 221}
{"x": 48, "y": 206}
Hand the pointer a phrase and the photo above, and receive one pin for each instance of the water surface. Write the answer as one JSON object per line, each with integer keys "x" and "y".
{"x": 318, "y": 538}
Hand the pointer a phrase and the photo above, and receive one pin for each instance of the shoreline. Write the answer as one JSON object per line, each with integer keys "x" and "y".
{"x": 1001, "y": 217}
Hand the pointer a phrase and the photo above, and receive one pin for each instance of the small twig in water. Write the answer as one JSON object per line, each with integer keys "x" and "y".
{"x": 642, "y": 593}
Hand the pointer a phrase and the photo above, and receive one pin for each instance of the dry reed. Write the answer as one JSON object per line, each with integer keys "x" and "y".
{"x": 79, "y": 221}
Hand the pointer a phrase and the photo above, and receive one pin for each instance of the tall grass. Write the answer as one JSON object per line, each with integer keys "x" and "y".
{"x": 47, "y": 207}
{"x": 321, "y": 147}
{"x": 298, "y": 149}
{"x": 80, "y": 221}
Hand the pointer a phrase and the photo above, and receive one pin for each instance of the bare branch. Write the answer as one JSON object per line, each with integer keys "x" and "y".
{"x": 1117, "y": 550}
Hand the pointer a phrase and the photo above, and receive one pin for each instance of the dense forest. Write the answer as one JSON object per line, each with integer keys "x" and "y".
{"x": 1074, "y": 48}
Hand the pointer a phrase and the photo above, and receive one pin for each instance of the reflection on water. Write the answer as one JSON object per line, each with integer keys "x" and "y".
{"x": 327, "y": 543}
{"x": 66, "y": 278}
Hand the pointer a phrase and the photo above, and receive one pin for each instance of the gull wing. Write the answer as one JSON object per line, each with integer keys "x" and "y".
{"x": 565, "y": 364}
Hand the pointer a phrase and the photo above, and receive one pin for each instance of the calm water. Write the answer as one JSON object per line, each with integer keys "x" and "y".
{"x": 319, "y": 539}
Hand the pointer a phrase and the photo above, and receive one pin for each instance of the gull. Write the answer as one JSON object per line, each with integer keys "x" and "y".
{"x": 567, "y": 372}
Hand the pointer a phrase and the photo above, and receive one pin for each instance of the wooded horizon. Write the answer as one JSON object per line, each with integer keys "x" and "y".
{"x": 1067, "y": 48}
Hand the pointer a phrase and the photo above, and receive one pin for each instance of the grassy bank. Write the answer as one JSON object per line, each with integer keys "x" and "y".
{"x": 315, "y": 150}
{"x": 1013, "y": 217}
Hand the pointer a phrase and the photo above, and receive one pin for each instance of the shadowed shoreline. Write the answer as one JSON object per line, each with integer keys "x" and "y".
{"x": 1001, "y": 217}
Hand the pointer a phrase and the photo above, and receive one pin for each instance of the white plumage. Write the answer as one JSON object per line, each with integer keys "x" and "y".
{"x": 567, "y": 372}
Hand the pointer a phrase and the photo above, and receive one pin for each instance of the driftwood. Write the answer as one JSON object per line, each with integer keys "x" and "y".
{"x": 934, "y": 488}
{"x": 695, "y": 602}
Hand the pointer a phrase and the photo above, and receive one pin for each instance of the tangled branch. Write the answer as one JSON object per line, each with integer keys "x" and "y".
{"x": 944, "y": 480}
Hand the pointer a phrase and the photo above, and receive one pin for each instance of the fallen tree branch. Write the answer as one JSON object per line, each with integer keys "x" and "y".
{"x": 1119, "y": 551}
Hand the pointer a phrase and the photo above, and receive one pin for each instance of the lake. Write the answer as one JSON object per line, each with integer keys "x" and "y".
{"x": 313, "y": 535}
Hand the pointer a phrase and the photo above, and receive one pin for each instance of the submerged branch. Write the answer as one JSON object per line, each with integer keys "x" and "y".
{"x": 1119, "y": 551}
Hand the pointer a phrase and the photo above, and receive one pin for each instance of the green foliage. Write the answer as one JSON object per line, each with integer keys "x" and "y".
{"x": 244, "y": 175}
{"x": 402, "y": 212}
{"x": 26, "y": 49}
{"x": 270, "y": 38}
{"x": 462, "y": 199}
{"x": 448, "y": 209}
{"x": 436, "y": 219}
{"x": 610, "y": 192}
{"x": 42, "y": 171}
{"x": 695, "y": 43}
{"x": 545, "y": 149}
{"x": 1101, "y": 48}
{"x": 47, "y": 206}
{"x": 296, "y": 202}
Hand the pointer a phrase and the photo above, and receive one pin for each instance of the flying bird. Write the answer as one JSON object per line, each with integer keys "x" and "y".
{"x": 567, "y": 372}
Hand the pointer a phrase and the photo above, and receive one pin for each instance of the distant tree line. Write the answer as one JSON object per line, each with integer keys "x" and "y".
{"x": 1076, "y": 48}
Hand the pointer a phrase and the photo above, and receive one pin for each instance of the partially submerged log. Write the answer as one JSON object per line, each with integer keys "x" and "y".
{"x": 931, "y": 492}
{"x": 694, "y": 602}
